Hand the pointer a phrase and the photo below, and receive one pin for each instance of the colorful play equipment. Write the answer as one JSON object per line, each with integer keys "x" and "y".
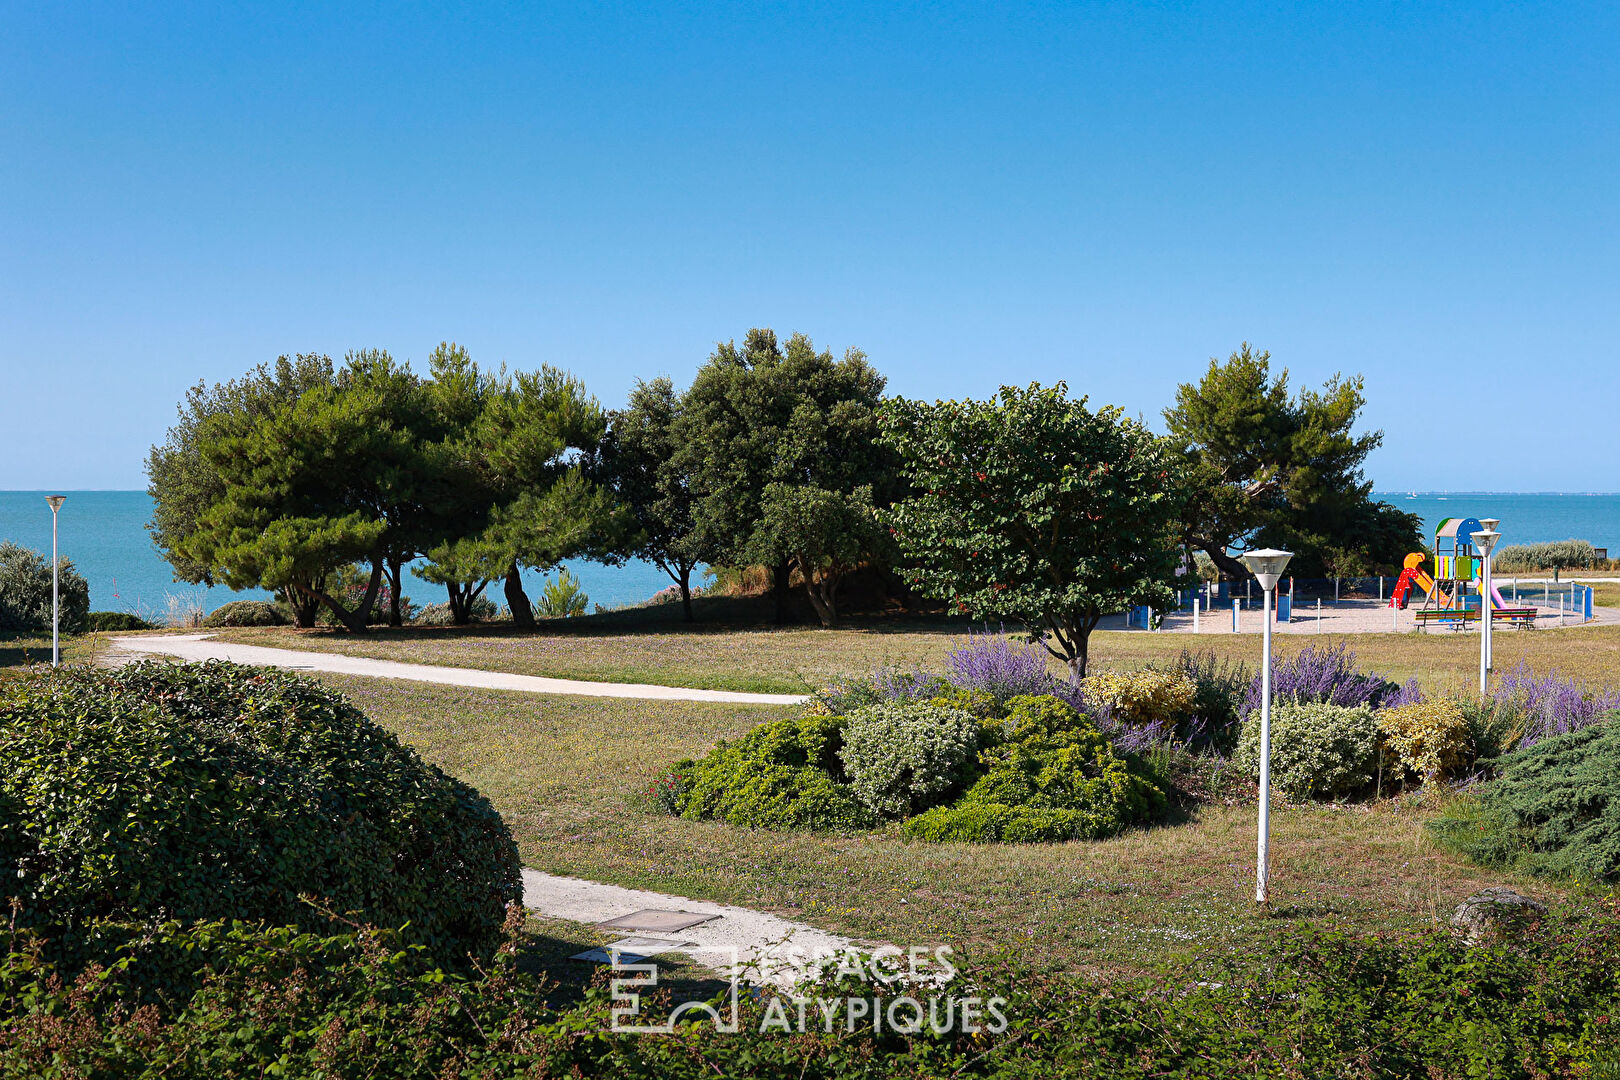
{"x": 1446, "y": 595}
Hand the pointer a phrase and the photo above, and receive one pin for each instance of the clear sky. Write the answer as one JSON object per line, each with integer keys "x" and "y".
{"x": 1104, "y": 193}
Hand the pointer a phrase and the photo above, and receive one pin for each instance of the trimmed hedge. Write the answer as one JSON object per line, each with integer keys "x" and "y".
{"x": 192, "y": 792}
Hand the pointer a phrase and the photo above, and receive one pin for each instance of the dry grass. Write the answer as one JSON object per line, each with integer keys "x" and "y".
{"x": 799, "y": 660}
{"x": 566, "y": 772}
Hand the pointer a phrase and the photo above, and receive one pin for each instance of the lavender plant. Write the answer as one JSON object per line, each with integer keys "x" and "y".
{"x": 995, "y": 664}
{"x": 1549, "y": 705}
{"x": 1327, "y": 675}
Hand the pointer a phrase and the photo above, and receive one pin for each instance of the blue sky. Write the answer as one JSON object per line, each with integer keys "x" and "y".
{"x": 1107, "y": 194}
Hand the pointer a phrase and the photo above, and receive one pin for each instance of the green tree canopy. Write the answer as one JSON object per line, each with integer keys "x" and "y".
{"x": 183, "y": 482}
{"x": 522, "y": 497}
{"x": 639, "y": 459}
{"x": 1267, "y": 468}
{"x": 761, "y": 415}
{"x": 1033, "y": 507}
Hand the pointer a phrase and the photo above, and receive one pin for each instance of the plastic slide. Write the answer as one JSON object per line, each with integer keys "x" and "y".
{"x": 1413, "y": 574}
{"x": 1496, "y": 598}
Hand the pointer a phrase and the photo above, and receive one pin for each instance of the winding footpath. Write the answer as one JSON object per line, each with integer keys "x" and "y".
{"x": 197, "y": 647}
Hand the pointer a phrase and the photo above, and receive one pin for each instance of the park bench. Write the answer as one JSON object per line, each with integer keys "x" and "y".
{"x": 1519, "y": 618}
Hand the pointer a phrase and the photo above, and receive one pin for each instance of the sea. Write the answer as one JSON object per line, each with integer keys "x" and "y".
{"x": 104, "y": 534}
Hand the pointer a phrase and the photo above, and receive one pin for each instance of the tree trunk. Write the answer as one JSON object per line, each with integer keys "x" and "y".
{"x": 394, "y": 616}
{"x": 823, "y": 595}
{"x": 780, "y": 574}
{"x": 352, "y": 621}
{"x": 1231, "y": 569}
{"x": 304, "y": 608}
{"x": 518, "y": 601}
{"x": 685, "y": 581}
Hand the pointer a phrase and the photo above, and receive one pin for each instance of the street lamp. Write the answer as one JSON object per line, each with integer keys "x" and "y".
{"x": 1267, "y": 565}
{"x": 1489, "y": 525}
{"x": 1485, "y": 540}
{"x": 56, "y": 502}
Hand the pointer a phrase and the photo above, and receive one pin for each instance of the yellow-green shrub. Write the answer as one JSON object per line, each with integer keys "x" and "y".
{"x": 1141, "y": 697}
{"x": 1428, "y": 738}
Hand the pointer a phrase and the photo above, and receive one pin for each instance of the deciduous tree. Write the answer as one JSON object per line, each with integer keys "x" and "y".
{"x": 1030, "y": 506}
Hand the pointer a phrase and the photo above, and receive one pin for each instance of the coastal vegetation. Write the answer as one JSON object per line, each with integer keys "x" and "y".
{"x": 1030, "y": 508}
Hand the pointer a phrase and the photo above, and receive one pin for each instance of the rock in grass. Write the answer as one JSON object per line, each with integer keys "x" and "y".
{"x": 1495, "y": 912}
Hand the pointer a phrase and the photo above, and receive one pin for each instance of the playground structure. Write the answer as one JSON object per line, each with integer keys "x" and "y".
{"x": 1447, "y": 599}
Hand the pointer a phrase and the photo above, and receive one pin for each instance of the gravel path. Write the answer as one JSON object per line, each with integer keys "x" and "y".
{"x": 765, "y": 944}
{"x": 201, "y": 647}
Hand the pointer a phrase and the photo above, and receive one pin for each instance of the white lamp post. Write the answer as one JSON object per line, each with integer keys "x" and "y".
{"x": 1488, "y": 574}
{"x": 1267, "y": 565}
{"x": 56, "y": 502}
{"x": 1485, "y": 540}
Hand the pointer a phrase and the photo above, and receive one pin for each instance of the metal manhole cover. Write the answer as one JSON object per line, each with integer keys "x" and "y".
{"x": 655, "y": 921}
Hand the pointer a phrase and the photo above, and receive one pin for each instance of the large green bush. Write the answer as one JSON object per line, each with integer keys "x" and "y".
{"x": 247, "y": 613}
{"x": 1051, "y": 776}
{"x": 902, "y": 757}
{"x": 115, "y": 621}
{"x": 782, "y": 775}
{"x": 1318, "y": 751}
{"x": 1553, "y": 809}
{"x": 165, "y": 791}
{"x": 25, "y": 592}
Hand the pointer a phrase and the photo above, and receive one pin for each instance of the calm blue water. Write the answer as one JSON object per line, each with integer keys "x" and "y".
{"x": 104, "y": 534}
{"x": 1526, "y": 519}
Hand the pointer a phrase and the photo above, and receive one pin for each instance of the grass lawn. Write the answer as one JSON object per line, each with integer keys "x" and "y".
{"x": 802, "y": 659}
{"x": 565, "y": 772}
{"x": 20, "y": 650}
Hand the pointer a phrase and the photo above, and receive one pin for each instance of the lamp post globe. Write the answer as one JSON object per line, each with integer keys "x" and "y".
{"x": 1267, "y": 565}
{"x": 55, "y": 502}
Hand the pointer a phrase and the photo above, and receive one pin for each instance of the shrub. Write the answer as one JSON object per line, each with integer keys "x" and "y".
{"x": 1054, "y": 760}
{"x": 25, "y": 592}
{"x": 1556, "y": 555}
{"x": 844, "y": 695}
{"x": 1327, "y": 675}
{"x": 1550, "y": 705}
{"x": 1315, "y": 1004}
{"x": 1219, "y": 688}
{"x": 166, "y": 791}
{"x": 114, "y": 621}
{"x": 561, "y": 597}
{"x": 1430, "y": 739}
{"x": 996, "y": 665}
{"x": 782, "y": 775}
{"x": 1553, "y": 808}
{"x": 247, "y": 613}
{"x": 1143, "y": 697}
{"x": 904, "y": 757}
{"x": 439, "y": 614}
{"x": 1318, "y": 751}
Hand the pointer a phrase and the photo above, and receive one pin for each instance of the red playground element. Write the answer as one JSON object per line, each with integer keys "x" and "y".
{"x": 1413, "y": 573}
